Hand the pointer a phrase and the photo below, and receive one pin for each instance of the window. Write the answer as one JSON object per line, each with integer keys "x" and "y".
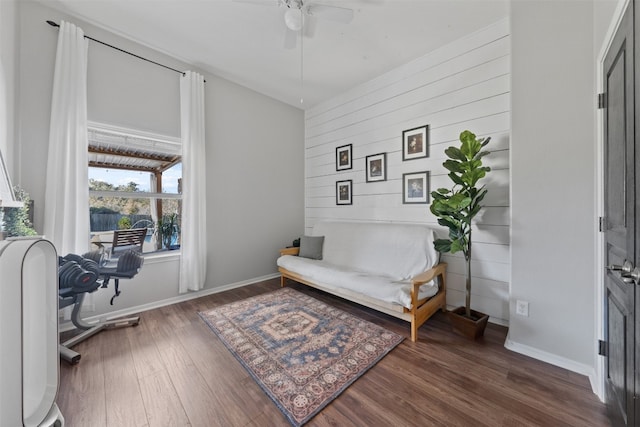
{"x": 134, "y": 182}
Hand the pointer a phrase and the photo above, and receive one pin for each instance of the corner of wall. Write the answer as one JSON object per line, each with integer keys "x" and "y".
{"x": 559, "y": 361}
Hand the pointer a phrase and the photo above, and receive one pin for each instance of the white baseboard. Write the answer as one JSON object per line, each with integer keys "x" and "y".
{"x": 556, "y": 360}
{"x": 67, "y": 326}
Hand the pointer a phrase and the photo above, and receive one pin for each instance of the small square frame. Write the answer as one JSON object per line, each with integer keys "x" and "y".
{"x": 376, "y": 167}
{"x": 344, "y": 192}
{"x": 415, "y": 188}
{"x": 343, "y": 157}
{"x": 415, "y": 143}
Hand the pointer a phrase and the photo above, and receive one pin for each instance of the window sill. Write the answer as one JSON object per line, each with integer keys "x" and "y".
{"x": 162, "y": 256}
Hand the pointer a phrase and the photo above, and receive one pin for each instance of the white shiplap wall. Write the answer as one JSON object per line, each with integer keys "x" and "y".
{"x": 463, "y": 85}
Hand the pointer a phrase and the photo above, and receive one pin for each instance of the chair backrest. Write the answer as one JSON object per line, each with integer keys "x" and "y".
{"x": 132, "y": 238}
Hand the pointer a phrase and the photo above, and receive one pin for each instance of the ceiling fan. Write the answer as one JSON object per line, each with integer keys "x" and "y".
{"x": 299, "y": 17}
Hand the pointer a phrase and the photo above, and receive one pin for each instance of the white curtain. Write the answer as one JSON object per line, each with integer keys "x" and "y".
{"x": 193, "y": 246}
{"x": 66, "y": 209}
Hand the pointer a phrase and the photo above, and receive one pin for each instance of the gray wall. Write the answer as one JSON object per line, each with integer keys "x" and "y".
{"x": 553, "y": 193}
{"x": 255, "y": 197}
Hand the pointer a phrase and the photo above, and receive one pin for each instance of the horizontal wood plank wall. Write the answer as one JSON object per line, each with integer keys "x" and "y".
{"x": 463, "y": 85}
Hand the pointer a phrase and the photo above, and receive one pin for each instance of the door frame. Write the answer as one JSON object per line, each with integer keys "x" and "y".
{"x": 598, "y": 383}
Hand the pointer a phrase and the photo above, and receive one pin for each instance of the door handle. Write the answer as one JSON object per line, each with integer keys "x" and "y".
{"x": 628, "y": 272}
{"x": 626, "y": 267}
{"x": 632, "y": 276}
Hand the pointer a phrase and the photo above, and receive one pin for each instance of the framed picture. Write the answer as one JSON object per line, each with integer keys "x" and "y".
{"x": 415, "y": 187}
{"x": 415, "y": 143}
{"x": 343, "y": 157}
{"x": 343, "y": 192}
{"x": 376, "y": 167}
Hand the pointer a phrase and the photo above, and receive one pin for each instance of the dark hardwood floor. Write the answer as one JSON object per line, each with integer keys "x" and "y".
{"x": 171, "y": 370}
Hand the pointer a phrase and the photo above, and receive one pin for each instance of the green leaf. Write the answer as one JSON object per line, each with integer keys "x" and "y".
{"x": 457, "y": 246}
{"x": 460, "y": 201}
{"x": 481, "y": 154}
{"x": 435, "y": 209}
{"x": 453, "y": 166}
{"x": 471, "y": 178}
{"x": 474, "y": 164}
{"x": 455, "y": 153}
{"x": 470, "y": 145}
{"x": 442, "y": 245}
{"x": 449, "y": 223}
{"x": 467, "y": 136}
{"x": 442, "y": 211}
{"x": 456, "y": 179}
{"x": 480, "y": 196}
{"x": 439, "y": 209}
{"x": 473, "y": 212}
{"x": 485, "y": 141}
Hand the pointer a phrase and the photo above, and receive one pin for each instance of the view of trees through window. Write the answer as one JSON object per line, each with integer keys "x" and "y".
{"x": 111, "y": 211}
{"x": 134, "y": 182}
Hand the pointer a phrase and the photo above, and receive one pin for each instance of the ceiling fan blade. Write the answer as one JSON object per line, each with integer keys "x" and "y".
{"x": 290, "y": 39}
{"x": 309, "y": 25}
{"x": 332, "y": 13}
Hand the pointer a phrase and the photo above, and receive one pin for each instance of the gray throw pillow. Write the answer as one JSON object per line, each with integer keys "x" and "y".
{"x": 311, "y": 247}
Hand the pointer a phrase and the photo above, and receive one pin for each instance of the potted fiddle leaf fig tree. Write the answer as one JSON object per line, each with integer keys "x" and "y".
{"x": 455, "y": 209}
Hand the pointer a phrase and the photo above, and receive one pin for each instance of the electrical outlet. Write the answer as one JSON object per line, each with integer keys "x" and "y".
{"x": 522, "y": 308}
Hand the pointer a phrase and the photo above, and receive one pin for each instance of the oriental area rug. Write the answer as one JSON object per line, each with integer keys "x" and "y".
{"x": 301, "y": 351}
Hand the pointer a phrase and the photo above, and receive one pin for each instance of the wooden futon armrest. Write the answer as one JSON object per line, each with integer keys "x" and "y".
{"x": 425, "y": 277}
{"x": 289, "y": 251}
{"x": 430, "y": 274}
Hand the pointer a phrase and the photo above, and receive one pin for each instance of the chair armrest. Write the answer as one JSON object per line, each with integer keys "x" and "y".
{"x": 289, "y": 251}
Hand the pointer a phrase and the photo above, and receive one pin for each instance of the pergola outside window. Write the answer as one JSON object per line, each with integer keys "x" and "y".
{"x": 134, "y": 182}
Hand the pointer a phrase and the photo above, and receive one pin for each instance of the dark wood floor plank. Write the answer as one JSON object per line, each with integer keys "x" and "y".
{"x": 333, "y": 416}
{"x": 354, "y": 404}
{"x": 479, "y": 392}
{"x": 269, "y": 419}
{"x": 187, "y": 377}
{"x": 81, "y": 395}
{"x": 146, "y": 356}
{"x": 161, "y": 401}
{"x": 124, "y": 404}
{"x": 195, "y": 395}
{"x": 221, "y": 371}
{"x": 426, "y": 399}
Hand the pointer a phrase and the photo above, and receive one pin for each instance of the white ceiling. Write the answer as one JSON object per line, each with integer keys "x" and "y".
{"x": 244, "y": 42}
